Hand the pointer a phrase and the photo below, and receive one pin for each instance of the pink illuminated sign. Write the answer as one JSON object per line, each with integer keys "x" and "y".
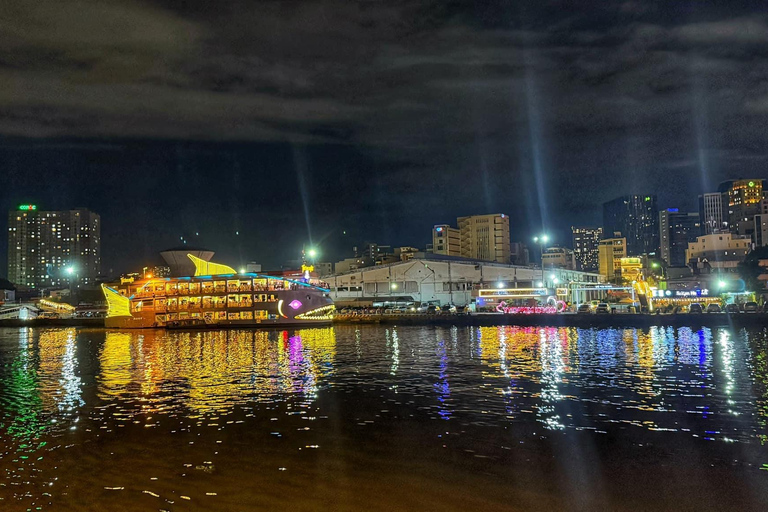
{"x": 557, "y": 307}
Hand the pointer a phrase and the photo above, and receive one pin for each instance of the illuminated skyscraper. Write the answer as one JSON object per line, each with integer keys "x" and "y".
{"x": 741, "y": 202}
{"x": 53, "y": 248}
{"x": 585, "y": 243}
{"x": 636, "y": 217}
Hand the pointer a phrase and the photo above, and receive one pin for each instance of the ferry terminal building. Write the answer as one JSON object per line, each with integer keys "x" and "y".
{"x": 444, "y": 280}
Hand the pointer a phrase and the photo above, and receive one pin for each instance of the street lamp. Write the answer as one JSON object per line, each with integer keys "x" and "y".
{"x": 499, "y": 285}
{"x": 312, "y": 253}
{"x": 70, "y": 271}
{"x": 541, "y": 240}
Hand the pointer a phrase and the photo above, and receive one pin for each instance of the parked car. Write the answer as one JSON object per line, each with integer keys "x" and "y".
{"x": 431, "y": 309}
{"x": 461, "y": 310}
{"x": 584, "y": 309}
{"x": 714, "y": 308}
{"x": 695, "y": 307}
{"x": 448, "y": 308}
{"x": 730, "y": 308}
{"x": 751, "y": 307}
{"x": 602, "y": 309}
{"x": 423, "y": 308}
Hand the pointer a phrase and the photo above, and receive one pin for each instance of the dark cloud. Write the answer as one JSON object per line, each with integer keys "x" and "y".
{"x": 406, "y": 113}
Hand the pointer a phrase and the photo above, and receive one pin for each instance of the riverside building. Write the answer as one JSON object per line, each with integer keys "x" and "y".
{"x": 429, "y": 278}
{"x": 53, "y": 249}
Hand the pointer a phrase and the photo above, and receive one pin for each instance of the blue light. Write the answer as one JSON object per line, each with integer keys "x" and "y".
{"x": 438, "y": 229}
{"x": 673, "y": 210}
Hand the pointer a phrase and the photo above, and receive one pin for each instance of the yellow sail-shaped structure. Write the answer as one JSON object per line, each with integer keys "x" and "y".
{"x": 207, "y": 268}
{"x": 118, "y": 305}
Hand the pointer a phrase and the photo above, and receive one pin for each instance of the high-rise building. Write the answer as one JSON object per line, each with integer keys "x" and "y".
{"x": 676, "y": 229}
{"x": 636, "y": 218}
{"x": 585, "y": 243}
{"x": 761, "y": 225}
{"x": 741, "y": 202}
{"x": 48, "y": 249}
{"x": 446, "y": 240}
{"x": 485, "y": 237}
{"x": 761, "y": 230}
{"x": 711, "y": 213}
{"x": 610, "y": 253}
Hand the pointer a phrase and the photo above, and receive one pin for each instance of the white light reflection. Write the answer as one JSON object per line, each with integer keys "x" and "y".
{"x": 71, "y": 383}
{"x": 395, "y": 353}
{"x": 727, "y": 356}
{"x": 552, "y": 367}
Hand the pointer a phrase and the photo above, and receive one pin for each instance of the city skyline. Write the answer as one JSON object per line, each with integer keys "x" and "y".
{"x": 198, "y": 237}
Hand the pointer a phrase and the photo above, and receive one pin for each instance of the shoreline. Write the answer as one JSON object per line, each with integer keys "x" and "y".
{"x": 564, "y": 320}
{"x": 488, "y": 320}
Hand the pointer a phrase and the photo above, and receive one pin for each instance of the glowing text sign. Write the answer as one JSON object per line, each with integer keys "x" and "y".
{"x": 27, "y": 207}
{"x": 557, "y": 307}
{"x": 704, "y": 292}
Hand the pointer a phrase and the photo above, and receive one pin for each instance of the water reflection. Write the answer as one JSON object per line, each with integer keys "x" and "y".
{"x": 213, "y": 371}
{"x": 493, "y": 388}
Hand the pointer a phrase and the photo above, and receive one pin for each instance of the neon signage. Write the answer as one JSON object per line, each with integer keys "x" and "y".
{"x": 295, "y": 304}
{"x": 704, "y": 292}
{"x": 513, "y": 292}
{"x": 27, "y": 207}
{"x": 550, "y": 308}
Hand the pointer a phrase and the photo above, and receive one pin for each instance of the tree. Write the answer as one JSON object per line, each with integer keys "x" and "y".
{"x": 750, "y": 269}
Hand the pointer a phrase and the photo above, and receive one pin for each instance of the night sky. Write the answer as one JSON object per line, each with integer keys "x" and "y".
{"x": 298, "y": 121}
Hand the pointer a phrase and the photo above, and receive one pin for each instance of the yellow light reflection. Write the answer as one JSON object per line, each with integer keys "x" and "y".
{"x": 210, "y": 372}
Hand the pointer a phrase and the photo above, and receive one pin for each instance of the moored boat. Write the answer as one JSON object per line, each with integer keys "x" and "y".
{"x": 217, "y": 296}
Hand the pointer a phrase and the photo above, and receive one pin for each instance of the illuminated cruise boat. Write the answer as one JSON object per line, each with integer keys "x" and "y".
{"x": 217, "y": 296}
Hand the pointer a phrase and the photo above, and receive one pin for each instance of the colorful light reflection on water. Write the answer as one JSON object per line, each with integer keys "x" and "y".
{"x": 232, "y": 420}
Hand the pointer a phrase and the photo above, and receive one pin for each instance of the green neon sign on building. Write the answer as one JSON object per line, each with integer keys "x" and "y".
{"x": 27, "y": 207}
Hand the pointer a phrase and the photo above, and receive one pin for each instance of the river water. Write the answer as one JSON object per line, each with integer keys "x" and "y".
{"x": 384, "y": 419}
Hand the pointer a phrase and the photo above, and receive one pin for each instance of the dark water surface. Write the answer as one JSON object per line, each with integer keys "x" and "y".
{"x": 384, "y": 419}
